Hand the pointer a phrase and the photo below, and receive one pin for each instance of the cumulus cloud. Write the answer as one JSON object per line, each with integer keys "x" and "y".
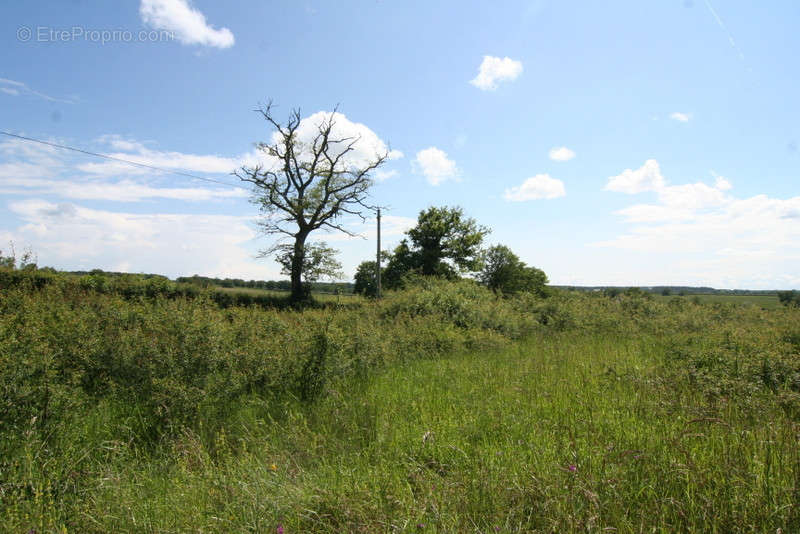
{"x": 680, "y": 117}
{"x": 710, "y": 237}
{"x": 493, "y": 70}
{"x": 435, "y": 165}
{"x": 561, "y": 154}
{"x": 721, "y": 182}
{"x": 187, "y": 23}
{"x": 541, "y": 186}
{"x": 366, "y": 148}
{"x": 646, "y": 178}
{"x": 74, "y": 237}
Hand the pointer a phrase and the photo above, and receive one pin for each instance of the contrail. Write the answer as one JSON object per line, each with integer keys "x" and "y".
{"x": 725, "y": 29}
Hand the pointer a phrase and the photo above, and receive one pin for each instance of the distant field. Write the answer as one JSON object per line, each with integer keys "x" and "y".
{"x": 763, "y": 301}
{"x": 323, "y": 297}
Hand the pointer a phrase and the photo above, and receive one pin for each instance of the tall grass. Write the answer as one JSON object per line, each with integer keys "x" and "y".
{"x": 439, "y": 409}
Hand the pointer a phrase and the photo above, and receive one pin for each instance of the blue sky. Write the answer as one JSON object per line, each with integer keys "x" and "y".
{"x": 627, "y": 143}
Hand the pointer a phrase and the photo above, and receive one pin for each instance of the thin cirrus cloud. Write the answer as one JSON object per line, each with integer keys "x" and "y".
{"x": 680, "y": 117}
{"x": 541, "y": 186}
{"x": 494, "y": 70}
{"x": 434, "y": 164}
{"x": 187, "y": 23}
{"x": 28, "y": 169}
{"x": 15, "y": 88}
{"x": 561, "y": 154}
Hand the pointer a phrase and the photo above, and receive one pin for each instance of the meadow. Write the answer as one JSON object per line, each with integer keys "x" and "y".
{"x": 440, "y": 408}
{"x": 763, "y": 301}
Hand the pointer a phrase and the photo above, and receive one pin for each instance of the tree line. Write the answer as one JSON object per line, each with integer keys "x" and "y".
{"x": 447, "y": 244}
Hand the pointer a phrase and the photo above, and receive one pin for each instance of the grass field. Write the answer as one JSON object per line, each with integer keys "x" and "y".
{"x": 764, "y": 301}
{"x": 558, "y": 434}
{"x": 322, "y": 297}
{"x": 439, "y": 409}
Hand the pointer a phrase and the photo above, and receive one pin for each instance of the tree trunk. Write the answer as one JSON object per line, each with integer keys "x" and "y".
{"x": 298, "y": 291}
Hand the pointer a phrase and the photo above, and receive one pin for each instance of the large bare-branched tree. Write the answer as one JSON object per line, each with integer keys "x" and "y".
{"x": 310, "y": 183}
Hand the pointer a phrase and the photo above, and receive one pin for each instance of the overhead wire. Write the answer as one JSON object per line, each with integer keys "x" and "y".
{"x": 114, "y": 158}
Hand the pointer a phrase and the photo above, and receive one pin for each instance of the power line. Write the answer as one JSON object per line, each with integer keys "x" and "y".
{"x": 143, "y": 165}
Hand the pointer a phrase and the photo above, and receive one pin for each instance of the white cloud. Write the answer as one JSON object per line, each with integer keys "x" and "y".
{"x": 187, "y": 23}
{"x": 391, "y": 226}
{"x": 15, "y": 88}
{"x": 435, "y": 165}
{"x": 493, "y": 70}
{"x": 647, "y": 178}
{"x": 722, "y": 183}
{"x": 29, "y": 168}
{"x": 541, "y": 186}
{"x": 368, "y": 146}
{"x": 683, "y": 197}
{"x": 680, "y": 117}
{"x": 561, "y": 154}
{"x": 384, "y": 175}
{"x": 706, "y": 237}
{"x": 73, "y": 237}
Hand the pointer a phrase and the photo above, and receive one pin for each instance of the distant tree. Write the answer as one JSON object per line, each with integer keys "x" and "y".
{"x": 666, "y": 292}
{"x": 365, "y": 283}
{"x": 612, "y": 292}
{"x": 309, "y": 184}
{"x": 319, "y": 261}
{"x": 26, "y": 262}
{"x": 443, "y": 243}
{"x": 789, "y": 298}
{"x": 504, "y": 272}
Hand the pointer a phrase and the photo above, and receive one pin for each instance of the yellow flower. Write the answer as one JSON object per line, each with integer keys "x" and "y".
{"x": 273, "y": 467}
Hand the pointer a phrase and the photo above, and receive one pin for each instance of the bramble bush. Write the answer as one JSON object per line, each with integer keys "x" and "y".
{"x": 96, "y": 369}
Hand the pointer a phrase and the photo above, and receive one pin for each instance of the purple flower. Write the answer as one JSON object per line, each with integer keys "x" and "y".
{"x": 420, "y": 525}
{"x": 573, "y": 468}
{"x": 280, "y": 529}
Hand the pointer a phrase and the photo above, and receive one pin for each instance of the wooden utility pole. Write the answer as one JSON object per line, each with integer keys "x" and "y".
{"x": 378, "y": 260}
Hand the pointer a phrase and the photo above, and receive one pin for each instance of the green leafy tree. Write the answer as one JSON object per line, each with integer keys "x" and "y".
{"x": 444, "y": 243}
{"x": 308, "y": 182}
{"x": 319, "y": 261}
{"x": 789, "y": 298}
{"x": 365, "y": 283}
{"x": 504, "y": 272}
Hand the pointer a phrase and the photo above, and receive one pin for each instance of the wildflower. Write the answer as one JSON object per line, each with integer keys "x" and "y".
{"x": 280, "y": 529}
{"x": 420, "y": 525}
{"x": 572, "y": 468}
{"x": 273, "y": 467}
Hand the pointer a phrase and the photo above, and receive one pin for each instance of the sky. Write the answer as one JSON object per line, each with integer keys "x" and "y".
{"x": 607, "y": 143}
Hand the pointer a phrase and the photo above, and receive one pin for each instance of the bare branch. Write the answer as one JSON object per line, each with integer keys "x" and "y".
{"x": 315, "y": 182}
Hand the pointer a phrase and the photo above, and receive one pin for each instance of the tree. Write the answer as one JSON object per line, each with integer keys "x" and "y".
{"x": 365, "y": 282}
{"x": 443, "y": 243}
{"x": 789, "y": 298}
{"x": 504, "y": 272}
{"x": 319, "y": 261}
{"x": 311, "y": 178}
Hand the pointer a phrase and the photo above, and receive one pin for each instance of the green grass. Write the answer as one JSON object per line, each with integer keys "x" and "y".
{"x": 321, "y": 297}
{"x": 769, "y": 302}
{"x": 439, "y": 409}
{"x": 558, "y": 434}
